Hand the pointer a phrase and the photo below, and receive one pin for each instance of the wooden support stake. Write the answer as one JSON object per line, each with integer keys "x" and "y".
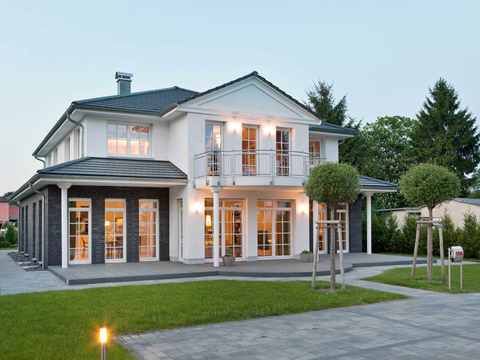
{"x": 442, "y": 255}
{"x": 461, "y": 276}
{"x": 415, "y": 250}
{"x": 315, "y": 260}
{"x": 340, "y": 255}
{"x": 449, "y": 269}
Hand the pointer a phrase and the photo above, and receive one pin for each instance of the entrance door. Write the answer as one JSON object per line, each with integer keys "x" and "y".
{"x": 231, "y": 228}
{"x": 115, "y": 243}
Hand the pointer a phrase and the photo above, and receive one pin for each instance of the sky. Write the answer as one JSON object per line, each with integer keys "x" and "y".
{"x": 383, "y": 55}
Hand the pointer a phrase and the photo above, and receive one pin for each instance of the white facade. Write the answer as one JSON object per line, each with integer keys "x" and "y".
{"x": 179, "y": 136}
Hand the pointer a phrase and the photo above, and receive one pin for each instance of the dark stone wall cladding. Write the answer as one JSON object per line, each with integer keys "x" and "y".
{"x": 30, "y": 226}
{"x": 98, "y": 194}
{"x": 355, "y": 228}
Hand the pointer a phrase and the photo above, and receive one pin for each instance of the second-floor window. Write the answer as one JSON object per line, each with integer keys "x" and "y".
{"x": 315, "y": 152}
{"x": 213, "y": 147}
{"x": 133, "y": 140}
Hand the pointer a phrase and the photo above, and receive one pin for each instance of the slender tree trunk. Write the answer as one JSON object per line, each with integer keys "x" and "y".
{"x": 332, "y": 250}
{"x": 429, "y": 246}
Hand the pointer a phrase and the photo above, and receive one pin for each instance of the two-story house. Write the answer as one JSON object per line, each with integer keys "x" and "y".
{"x": 175, "y": 174}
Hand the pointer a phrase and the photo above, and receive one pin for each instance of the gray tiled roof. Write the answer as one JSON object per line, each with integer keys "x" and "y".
{"x": 468, "y": 201}
{"x": 155, "y": 101}
{"x": 116, "y": 167}
{"x": 326, "y": 127}
{"x": 367, "y": 182}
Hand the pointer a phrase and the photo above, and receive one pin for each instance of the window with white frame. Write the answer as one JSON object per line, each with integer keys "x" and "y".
{"x": 128, "y": 140}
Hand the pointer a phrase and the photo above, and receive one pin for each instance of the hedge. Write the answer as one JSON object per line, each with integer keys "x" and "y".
{"x": 390, "y": 238}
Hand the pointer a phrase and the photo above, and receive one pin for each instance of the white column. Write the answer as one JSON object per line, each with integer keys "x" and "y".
{"x": 216, "y": 225}
{"x": 369, "y": 222}
{"x": 315, "y": 224}
{"x": 64, "y": 218}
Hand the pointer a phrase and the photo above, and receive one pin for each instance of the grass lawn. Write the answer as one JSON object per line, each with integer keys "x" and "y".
{"x": 401, "y": 276}
{"x": 64, "y": 324}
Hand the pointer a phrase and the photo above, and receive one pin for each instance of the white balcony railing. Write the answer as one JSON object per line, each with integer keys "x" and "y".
{"x": 254, "y": 163}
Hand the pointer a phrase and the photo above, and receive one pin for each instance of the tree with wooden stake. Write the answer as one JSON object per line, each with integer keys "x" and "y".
{"x": 428, "y": 185}
{"x": 332, "y": 183}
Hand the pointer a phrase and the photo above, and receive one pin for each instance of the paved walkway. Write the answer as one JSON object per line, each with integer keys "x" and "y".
{"x": 429, "y": 325}
{"x": 426, "y": 327}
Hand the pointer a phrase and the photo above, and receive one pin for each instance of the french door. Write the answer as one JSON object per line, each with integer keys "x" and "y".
{"x": 213, "y": 147}
{"x": 231, "y": 228}
{"x": 115, "y": 230}
{"x": 79, "y": 230}
{"x": 274, "y": 228}
{"x": 249, "y": 150}
{"x": 282, "y": 151}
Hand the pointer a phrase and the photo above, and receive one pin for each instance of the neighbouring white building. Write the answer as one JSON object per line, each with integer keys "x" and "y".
{"x": 175, "y": 174}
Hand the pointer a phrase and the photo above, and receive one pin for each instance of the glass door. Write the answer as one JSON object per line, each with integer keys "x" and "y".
{"x": 115, "y": 242}
{"x": 213, "y": 147}
{"x": 249, "y": 151}
{"x": 322, "y": 229}
{"x": 231, "y": 228}
{"x": 282, "y": 151}
{"x": 148, "y": 230}
{"x": 342, "y": 215}
{"x": 79, "y": 231}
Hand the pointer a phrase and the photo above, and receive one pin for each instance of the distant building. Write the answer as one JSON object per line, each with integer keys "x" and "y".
{"x": 8, "y": 212}
{"x": 456, "y": 209}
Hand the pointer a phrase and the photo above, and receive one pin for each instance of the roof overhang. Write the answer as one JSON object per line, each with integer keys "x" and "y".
{"x": 39, "y": 181}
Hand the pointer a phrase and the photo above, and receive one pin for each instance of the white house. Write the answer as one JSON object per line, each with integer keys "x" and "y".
{"x": 174, "y": 174}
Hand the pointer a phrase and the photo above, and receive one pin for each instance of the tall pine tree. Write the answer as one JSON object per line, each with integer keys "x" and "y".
{"x": 322, "y": 102}
{"x": 447, "y": 135}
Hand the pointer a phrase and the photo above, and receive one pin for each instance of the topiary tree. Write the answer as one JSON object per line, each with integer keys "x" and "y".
{"x": 429, "y": 185}
{"x": 332, "y": 183}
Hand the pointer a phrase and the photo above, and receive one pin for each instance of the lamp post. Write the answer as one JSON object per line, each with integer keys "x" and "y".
{"x": 103, "y": 336}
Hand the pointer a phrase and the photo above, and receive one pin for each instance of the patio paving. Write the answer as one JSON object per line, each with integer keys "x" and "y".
{"x": 125, "y": 272}
{"x": 428, "y": 326}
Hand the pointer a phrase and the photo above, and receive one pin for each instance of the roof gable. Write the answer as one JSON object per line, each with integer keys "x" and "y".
{"x": 251, "y": 94}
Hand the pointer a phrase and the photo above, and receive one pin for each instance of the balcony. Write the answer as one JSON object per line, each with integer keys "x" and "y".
{"x": 260, "y": 167}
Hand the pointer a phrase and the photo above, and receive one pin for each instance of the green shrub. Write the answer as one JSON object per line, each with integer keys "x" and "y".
{"x": 11, "y": 235}
{"x": 390, "y": 239}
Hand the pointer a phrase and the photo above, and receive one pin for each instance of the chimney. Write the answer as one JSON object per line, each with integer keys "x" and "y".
{"x": 124, "y": 83}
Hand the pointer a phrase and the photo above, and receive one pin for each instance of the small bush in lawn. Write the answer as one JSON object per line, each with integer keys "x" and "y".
{"x": 11, "y": 235}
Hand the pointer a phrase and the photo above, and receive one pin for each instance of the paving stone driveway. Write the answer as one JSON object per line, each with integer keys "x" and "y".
{"x": 428, "y": 326}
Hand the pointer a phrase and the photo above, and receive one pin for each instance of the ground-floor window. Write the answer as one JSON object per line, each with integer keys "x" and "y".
{"x": 342, "y": 215}
{"x": 231, "y": 227}
{"x": 115, "y": 230}
{"x": 148, "y": 229}
{"x": 79, "y": 230}
{"x": 274, "y": 227}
